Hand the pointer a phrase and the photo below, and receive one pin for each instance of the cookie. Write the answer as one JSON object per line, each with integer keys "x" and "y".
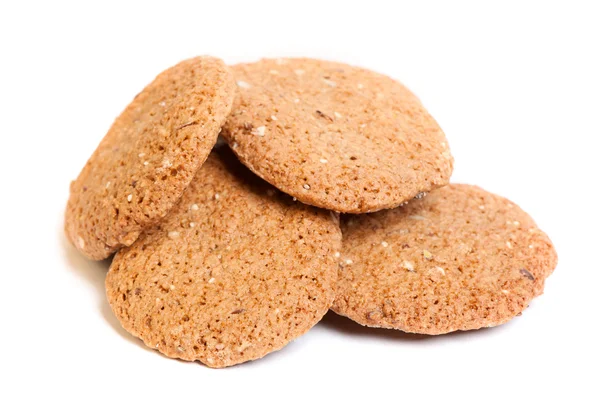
{"x": 335, "y": 136}
{"x": 149, "y": 156}
{"x": 460, "y": 258}
{"x": 235, "y": 271}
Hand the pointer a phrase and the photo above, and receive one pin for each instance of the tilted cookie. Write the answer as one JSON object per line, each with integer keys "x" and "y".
{"x": 235, "y": 271}
{"x": 460, "y": 258}
{"x": 335, "y": 136}
{"x": 149, "y": 156}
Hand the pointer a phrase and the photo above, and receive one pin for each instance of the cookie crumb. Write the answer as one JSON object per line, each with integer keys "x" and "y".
{"x": 336, "y": 254}
{"x": 187, "y": 124}
{"x": 325, "y": 116}
{"x": 349, "y": 261}
{"x": 306, "y": 186}
{"x": 427, "y": 254}
{"x": 526, "y": 273}
{"x": 323, "y": 161}
{"x": 374, "y": 315}
{"x": 211, "y": 280}
{"x": 244, "y": 346}
{"x": 408, "y": 266}
{"x": 129, "y": 198}
{"x": 194, "y": 207}
{"x": 509, "y": 245}
{"x": 274, "y": 118}
{"x": 384, "y": 244}
{"x": 217, "y": 196}
{"x": 259, "y": 131}
{"x": 336, "y": 114}
{"x": 107, "y": 185}
{"x": 330, "y": 82}
{"x": 173, "y": 234}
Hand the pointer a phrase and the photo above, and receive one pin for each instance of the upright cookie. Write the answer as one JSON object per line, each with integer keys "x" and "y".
{"x": 335, "y": 136}
{"x": 461, "y": 258}
{"x": 149, "y": 156}
{"x": 235, "y": 271}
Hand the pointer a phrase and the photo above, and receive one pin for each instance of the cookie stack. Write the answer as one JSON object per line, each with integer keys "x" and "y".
{"x": 332, "y": 192}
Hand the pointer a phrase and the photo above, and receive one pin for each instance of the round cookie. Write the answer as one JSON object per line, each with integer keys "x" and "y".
{"x": 149, "y": 156}
{"x": 460, "y": 258}
{"x": 335, "y": 136}
{"x": 235, "y": 271}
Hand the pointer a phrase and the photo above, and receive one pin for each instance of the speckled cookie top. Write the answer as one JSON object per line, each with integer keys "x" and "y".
{"x": 149, "y": 156}
{"x": 235, "y": 271}
{"x": 335, "y": 136}
{"x": 460, "y": 258}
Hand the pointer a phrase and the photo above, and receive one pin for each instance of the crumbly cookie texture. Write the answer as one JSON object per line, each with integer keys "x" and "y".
{"x": 335, "y": 136}
{"x": 149, "y": 156}
{"x": 460, "y": 258}
{"x": 235, "y": 271}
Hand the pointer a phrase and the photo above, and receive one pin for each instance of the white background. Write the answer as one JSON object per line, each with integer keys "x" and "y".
{"x": 516, "y": 89}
